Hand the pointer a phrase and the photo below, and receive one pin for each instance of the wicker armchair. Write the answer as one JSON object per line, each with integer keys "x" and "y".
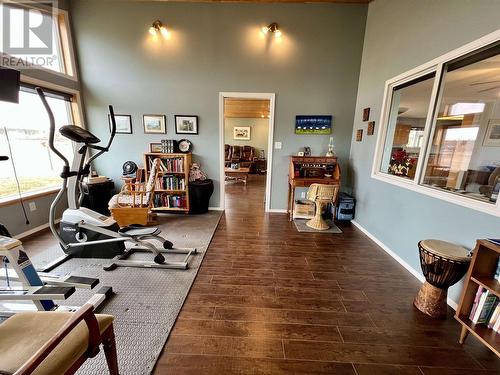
{"x": 321, "y": 194}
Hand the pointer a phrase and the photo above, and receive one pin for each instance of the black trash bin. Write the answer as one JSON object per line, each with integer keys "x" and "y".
{"x": 199, "y": 195}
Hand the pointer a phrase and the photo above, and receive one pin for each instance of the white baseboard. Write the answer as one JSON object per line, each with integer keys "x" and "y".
{"x": 277, "y": 210}
{"x": 215, "y": 209}
{"x": 400, "y": 260}
{"x": 34, "y": 230}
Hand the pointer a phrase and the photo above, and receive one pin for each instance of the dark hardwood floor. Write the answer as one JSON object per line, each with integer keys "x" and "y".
{"x": 270, "y": 300}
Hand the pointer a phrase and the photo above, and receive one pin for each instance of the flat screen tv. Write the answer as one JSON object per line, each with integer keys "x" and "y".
{"x": 9, "y": 85}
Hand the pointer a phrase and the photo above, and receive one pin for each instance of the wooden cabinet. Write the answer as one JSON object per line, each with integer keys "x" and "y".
{"x": 171, "y": 182}
{"x": 401, "y": 135}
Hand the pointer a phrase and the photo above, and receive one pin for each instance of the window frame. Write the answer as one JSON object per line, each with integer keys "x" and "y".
{"x": 76, "y": 114}
{"x": 64, "y": 43}
{"x": 436, "y": 65}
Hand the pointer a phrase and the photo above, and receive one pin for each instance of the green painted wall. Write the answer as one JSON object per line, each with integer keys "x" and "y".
{"x": 214, "y": 48}
{"x": 259, "y": 128}
{"x": 401, "y": 35}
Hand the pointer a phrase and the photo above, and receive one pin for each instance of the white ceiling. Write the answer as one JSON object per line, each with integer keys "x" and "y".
{"x": 476, "y": 82}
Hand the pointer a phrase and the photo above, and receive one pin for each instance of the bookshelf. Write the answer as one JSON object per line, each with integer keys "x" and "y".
{"x": 172, "y": 181}
{"x": 481, "y": 273}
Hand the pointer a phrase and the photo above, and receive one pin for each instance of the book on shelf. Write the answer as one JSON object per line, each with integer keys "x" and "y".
{"x": 170, "y": 182}
{"x": 170, "y": 201}
{"x": 476, "y": 302}
{"x": 484, "y": 308}
{"x": 173, "y": 165}
{"x": 497, "y": 270}
{"x": 168, "y": 146}
{"x": 168, "y": 164}
{"x": 496, "y": 326}
{"x": 494, "y": 316}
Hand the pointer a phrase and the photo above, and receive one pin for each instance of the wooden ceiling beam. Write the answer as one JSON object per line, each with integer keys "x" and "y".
{"x": 268, "y": 1}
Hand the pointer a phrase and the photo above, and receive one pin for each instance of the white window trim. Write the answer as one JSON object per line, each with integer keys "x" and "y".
{"x": 433, "y": 65}
{"x": 70, "y": 52}
{"x": 11, "y": 199}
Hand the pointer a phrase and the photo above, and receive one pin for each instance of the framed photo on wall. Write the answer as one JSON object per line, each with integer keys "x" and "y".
{"x": 123, "y": 124}
{"x": 492, "y": 136}
{"x": 186, "y": 124}
{"x": 241, "y": 133}
{"x": 154, "y": 124}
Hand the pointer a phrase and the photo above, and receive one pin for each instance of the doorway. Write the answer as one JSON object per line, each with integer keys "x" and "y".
{"x": 246, "y": 124}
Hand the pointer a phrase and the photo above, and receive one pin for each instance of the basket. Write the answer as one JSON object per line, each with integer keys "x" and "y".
{"x": 303, "y": 209}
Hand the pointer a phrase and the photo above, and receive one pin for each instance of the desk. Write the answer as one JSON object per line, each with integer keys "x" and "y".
{"x": 297, "y": 176}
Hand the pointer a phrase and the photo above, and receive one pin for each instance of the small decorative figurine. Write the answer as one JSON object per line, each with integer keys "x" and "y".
{"x": 196, "y": 173}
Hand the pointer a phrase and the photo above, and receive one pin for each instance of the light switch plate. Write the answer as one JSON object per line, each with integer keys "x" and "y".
{"x": 277, "y": 145}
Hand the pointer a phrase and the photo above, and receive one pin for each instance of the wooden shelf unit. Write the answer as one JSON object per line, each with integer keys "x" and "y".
{"x": 186, "y": 165}
{"x": 481, "y": 273}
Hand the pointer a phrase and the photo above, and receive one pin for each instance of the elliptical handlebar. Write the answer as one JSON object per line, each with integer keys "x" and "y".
{"x": 52, "y": 129}
{"x": 101, "y": 149}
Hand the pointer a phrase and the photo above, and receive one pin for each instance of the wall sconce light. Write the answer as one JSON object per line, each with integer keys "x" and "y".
{"x": 158, "y": 28}
{"x": 273, "y": 28}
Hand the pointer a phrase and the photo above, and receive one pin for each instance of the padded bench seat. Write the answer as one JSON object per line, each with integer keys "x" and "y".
{"x": 38, "y": 328}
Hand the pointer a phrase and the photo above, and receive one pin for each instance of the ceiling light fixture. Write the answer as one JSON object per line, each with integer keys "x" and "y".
{"x": 273, "y": 28}
{"x": 158, "y": 28}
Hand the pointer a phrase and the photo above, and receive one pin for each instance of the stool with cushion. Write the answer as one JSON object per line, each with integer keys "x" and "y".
{"x": 49, "y": 343}
{"x": 321, "y": 194}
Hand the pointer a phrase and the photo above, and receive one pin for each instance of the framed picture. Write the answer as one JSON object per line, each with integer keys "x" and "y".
{"x": 313, "y": 124}
{"x": 366, "y": 114}
{"x": 123, "y": 124}
{"x": 492, "y": 137}
{"x": 371, "y": 128}
{"x": 154, "y": 124}
{"x": 359, "y": 135}
{"x": 185, "y": 124}
{"x": 155, "y": 147}
{"x": 241, "y": 133}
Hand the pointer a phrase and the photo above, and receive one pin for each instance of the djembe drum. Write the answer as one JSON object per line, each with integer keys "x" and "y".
{"x": 443, "y": 265}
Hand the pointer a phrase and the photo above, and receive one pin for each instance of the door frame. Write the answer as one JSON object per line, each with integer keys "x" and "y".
{"x": 270, "y": 140}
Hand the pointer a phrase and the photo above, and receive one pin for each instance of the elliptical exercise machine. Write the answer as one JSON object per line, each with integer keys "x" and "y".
{"x": 87, "y": 234}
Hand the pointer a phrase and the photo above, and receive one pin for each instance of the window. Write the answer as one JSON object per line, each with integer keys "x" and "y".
{"x": 441, "y": 133}
{"x": 26, "y": 127}
{"x": 409, "y": 106}
{"x": 57, "y": 59}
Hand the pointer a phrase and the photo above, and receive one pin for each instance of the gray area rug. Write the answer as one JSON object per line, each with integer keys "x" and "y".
{"x": 301, "y": 226}
{"x": 146, "y": 301}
